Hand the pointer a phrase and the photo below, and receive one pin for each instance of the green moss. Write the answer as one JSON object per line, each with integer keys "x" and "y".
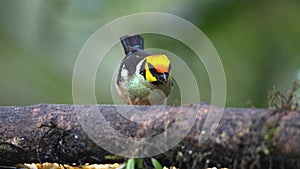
{"x": 277, "y": 100}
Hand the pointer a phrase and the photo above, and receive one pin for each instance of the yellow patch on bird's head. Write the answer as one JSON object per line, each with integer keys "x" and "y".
{"x": 161, "y": 64}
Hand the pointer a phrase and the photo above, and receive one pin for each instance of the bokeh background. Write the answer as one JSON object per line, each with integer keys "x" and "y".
{"x": 258, "y": 43}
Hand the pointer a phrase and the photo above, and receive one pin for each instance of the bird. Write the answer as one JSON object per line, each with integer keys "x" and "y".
{"x": 143, "y": 78}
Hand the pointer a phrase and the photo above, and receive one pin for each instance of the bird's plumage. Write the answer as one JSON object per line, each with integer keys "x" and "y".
{"x": 132, "y": 43}
{"x": 140, "y": 73}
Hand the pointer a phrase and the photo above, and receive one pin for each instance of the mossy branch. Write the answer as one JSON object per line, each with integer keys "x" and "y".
{"x": 244, "y": 137}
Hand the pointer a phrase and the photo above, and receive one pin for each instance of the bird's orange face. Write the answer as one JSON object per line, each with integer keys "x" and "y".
{"x": 157, "y": 69}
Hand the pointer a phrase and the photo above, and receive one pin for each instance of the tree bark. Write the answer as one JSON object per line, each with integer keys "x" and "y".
{"x": 244, "y": 138}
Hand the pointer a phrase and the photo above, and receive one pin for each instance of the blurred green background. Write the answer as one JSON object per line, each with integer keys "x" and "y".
{"x": 258, "y": 43}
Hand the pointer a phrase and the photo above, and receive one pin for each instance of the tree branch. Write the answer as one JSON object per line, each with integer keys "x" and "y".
{"x": 245, "y": 138}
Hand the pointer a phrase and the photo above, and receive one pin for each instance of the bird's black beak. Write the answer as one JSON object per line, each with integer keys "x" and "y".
{"x": 163, "y": 78}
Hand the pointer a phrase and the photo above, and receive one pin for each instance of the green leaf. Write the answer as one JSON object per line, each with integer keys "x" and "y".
{"x": 130, "y": 164}
{"x": 156, "y": 164}
{"x": 139, "y": 162}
